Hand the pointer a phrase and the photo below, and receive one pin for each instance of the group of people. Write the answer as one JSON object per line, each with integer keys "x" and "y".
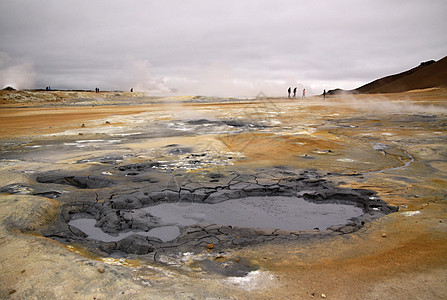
{"x": 289, "y": 90}
{"x": 294, "y": 92}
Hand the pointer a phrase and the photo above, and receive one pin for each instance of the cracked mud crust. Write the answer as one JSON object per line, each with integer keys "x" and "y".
{"x": 108, "y": 159}
{"x": 117, "y": 209}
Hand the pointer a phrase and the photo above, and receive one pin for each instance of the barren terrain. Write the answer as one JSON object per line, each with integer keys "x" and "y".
{"x": 107, "y": 146}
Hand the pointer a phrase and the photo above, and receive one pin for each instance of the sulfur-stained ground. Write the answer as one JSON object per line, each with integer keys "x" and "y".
{"x": 394, "y": 145}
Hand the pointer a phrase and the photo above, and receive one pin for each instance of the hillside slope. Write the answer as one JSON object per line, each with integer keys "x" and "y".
{"x": 432, "y": 75}
{"x": 378, "y": 83}
{"x": 427, "y": 75}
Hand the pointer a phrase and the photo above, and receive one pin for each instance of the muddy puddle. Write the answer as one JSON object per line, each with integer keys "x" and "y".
{"x": 284, "y": 213}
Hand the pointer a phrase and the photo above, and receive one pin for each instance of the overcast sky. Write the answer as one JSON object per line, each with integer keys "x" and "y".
{"x": 215, "y": 47}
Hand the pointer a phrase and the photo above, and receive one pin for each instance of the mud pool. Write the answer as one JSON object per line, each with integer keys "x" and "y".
{"x": 165, "y": 215}
{"x": 284, "y": 213}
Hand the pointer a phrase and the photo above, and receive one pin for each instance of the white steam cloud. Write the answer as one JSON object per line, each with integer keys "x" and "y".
{"x": 138, "y": 75}
{"x": 16, "y": 75}
{"x": 219, "y": 79}
{"x": 383, "y": 105}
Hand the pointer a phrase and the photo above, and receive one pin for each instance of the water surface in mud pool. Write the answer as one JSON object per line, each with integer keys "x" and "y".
{"x": 278, "y": 212}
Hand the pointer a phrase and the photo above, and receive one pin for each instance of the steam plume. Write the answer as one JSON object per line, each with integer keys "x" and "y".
{"x": 18, "y": 76}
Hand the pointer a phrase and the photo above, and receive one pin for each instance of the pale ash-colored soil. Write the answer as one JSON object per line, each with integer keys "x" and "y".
{"x": 401, "y": 256}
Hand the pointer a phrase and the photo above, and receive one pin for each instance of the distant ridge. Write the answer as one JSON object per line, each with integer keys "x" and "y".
{"x": 427, "y": 75}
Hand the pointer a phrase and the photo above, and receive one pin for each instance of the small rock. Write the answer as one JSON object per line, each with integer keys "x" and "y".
{"x": 101, "y": 270}
{"x": 83, "y": 125}
{"x": 107, "y": 122}
{"x": 209, "y": 246}
{"x": 384, "y": 235}
{"x": 12, "y": 292}
{"x": 323, "y": 296}
{"x": 80, "y": 133}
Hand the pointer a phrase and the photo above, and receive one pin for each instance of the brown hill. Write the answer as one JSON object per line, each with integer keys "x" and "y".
{"x": 427, "y": 75}
{"x": 379, "y": 83}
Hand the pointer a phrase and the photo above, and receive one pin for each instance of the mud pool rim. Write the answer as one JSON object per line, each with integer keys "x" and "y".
{"x": 112, "y": 215}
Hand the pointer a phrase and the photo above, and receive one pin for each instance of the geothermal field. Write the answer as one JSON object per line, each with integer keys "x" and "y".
{"x": 117, "y": 195}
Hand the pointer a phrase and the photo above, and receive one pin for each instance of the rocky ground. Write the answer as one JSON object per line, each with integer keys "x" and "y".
{"x": 108, "y": 156}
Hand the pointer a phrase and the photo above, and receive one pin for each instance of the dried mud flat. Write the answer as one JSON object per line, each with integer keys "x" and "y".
{"x": 113, "y": 157}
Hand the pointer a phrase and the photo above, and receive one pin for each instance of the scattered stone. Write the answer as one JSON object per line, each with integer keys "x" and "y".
{"x": 101, "y": 270}
{"x": 83, "y": 125}
{"x": 384, "y": 235}
{"x": 210, "y": 246}
{"x": 323, "y": 296}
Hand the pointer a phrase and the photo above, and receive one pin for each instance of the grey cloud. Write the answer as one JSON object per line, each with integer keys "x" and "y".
{"x": 80, "y": 44}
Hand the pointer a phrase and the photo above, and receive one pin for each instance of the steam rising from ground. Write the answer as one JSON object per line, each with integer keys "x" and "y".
{"x": 220, "y": 79}
{"x": 137, "y": 75}
{"x": 217, "y": 79}
{"x": 232, "y": 87}
{"x": 16, "y": 75}
{"x": 383, "y": 105}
